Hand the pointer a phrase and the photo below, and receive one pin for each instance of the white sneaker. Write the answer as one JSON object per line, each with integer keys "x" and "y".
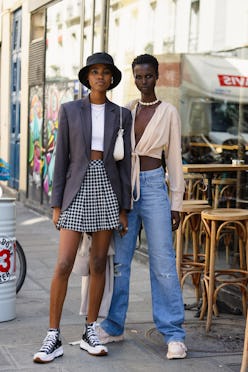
{"x": 176, "y": 350}
{"x": 51, "y": 348}
{"x": 90, "y": 341}
{"x": 105, "y": 338}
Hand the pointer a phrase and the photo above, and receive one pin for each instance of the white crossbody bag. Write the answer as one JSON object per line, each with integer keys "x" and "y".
{"x": 119, "y": 144}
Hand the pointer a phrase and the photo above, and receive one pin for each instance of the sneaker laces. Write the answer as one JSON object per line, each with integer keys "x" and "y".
{"x": 179, "y": 344}
{"x": 91, "y": 335}
{"x": 49, "y": 342}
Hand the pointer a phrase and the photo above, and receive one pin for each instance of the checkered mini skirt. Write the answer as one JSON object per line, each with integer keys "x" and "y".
{"x": 95, "y": 206}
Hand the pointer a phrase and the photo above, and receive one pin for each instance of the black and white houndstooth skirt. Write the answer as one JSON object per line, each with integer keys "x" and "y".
{"x": 95, "y": 207}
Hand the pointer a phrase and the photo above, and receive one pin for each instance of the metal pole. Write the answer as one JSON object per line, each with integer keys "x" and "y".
{"x": 103, "y": 26}
{"x": 82, "y": 15}
{"x": 93, "y": 25}
{"x": 107, "y": 26}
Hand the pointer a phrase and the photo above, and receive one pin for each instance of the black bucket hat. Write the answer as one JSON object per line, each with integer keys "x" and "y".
{"x": 97, "y": 58}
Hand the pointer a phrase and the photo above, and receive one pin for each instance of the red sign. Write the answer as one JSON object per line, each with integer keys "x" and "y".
{"x": 233, "y": 81}
{"x": 7, "y": 258}
{"x": 4, "y": 260}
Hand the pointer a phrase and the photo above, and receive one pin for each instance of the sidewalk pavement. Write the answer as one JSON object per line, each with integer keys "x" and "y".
{"x": 143, "y": 348}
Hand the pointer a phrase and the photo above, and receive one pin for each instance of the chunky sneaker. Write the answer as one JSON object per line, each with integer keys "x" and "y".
{"x": 51, "y": 348}
{"x": 176, "y": 350}
{"x": 90, "y": 341}
{"x": 104, "y": 337}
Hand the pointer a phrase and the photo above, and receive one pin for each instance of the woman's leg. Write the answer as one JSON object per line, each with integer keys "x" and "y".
{"x": 124, "y": 251}
{"x": 98, "y": 259}
{"x": 68, "y": 245}
{"x": 168, "y": 309}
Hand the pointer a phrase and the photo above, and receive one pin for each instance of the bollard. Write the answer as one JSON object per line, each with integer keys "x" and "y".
{"x": 7, "y": 259}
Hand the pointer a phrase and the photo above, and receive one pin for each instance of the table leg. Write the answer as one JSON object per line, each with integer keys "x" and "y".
{"x": 246, "y": 244}
{"x": 179, "y": 253}
{"x": 210, "y": 196}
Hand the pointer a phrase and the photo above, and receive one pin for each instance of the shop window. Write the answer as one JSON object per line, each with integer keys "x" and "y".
{"x": 38, "y": 25}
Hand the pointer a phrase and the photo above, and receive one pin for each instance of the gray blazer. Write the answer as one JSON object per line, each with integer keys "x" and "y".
{"x": 73, "y": 149}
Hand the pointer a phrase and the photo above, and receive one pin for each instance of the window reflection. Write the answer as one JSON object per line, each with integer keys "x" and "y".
{"x": 214, "y": 108}
{"x": 63, "y": 40}
{"x": 62, "y": 65}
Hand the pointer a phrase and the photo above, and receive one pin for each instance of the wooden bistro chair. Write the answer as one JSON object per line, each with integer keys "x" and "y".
{"x": 216, "y": 222}
{"x": 224, "y": 194}
{"x": 190, "y": 264}
{"x": 195, "y": 193}
{"x": 195, "y": 186}
{"x": 224, "y": 190}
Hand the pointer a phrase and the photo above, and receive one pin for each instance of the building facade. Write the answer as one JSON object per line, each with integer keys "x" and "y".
{"x": 202, "y": 47}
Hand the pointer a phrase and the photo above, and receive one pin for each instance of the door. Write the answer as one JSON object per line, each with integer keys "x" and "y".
{"x": 15, "y": 100}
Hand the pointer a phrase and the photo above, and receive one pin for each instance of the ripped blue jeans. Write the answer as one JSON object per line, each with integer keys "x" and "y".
{"x": 153, "y": 210}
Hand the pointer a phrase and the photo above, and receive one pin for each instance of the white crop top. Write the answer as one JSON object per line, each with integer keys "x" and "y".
{"x": 97, "y": 114}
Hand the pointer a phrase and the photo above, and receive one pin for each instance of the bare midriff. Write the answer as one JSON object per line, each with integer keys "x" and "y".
{"x": 96, "y": 155}
{"x": 148, "y": 163}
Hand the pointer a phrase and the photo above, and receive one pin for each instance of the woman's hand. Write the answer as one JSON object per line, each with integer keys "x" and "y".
{"x": 175, "y": 220}
{"x": 56, "y": 214}
{"x": 123, "y": 222}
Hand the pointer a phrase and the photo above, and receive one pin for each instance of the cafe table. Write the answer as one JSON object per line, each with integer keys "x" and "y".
{"x": 208, "y": 170}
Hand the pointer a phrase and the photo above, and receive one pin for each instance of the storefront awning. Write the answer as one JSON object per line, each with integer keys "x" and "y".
{"x": 215, "y": 77}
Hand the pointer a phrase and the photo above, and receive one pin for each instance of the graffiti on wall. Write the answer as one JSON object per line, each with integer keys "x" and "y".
{"x": 43, "y": 135}
{"x": 35, "y": 141}
{"x": 55, "y": 95}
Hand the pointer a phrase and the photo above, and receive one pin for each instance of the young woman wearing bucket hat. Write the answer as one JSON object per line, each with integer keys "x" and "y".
{"x": 91, "y": 193}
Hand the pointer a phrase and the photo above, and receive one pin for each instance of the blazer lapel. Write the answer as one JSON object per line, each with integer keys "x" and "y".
{"x": 86, "y": 124}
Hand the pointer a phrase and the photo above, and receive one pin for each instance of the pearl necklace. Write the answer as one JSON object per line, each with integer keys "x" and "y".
{"x": 149, "y": 103}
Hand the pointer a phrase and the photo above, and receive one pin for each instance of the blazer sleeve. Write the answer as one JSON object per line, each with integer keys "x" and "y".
{"x": 125, "y": 164}
{"x": 62, "y": 154}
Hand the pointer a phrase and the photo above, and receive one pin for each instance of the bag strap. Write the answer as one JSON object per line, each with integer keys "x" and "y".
{"x": 120, "y": 117}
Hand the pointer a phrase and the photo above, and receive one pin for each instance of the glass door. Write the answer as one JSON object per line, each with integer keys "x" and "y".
{"x": 15, "y": 100}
